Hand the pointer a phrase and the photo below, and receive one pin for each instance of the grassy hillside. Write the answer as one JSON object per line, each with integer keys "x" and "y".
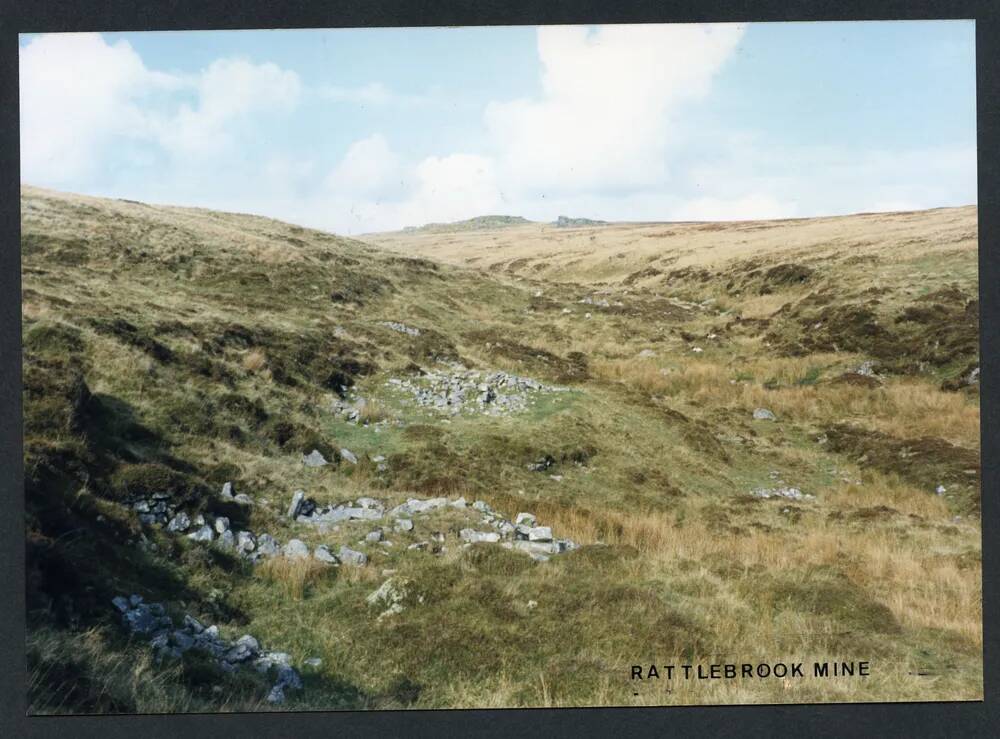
{"x": 655, "y": 255}
{"x": 171, "y": 350}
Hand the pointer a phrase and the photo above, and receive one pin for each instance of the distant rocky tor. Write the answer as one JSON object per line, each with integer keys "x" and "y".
{"x": 492, "y": 222}
{"x": 567, "y": 222}
{"x": 479, "y": 223}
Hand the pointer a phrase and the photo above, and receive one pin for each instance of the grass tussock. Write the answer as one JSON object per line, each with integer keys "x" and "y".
{"x": 254, "y": 361}
{"x": 373, "y": 412}
{"x": 294, "y": 575}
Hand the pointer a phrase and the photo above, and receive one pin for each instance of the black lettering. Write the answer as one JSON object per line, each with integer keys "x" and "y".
{"x": 746, "y": 670}
{"x": 821, "y": 670}
{"x": 730, "y": 671}
{"x": 864, "y": 669}
{"x": 637, "y": 672}
{"x": 652, "y": 673}
{"x": 670, "y": 671}
{"x": 846, "y": 668}
{"x": 687, "y": 671}
{"x": 715, "y": 672}
{"x": 780, "y": 669}
{"x": 763, "y": 670}
{"x": 797, "y": 669}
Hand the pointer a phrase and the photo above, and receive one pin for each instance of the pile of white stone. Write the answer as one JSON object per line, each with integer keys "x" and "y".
{"x": 401, "y": 328}
{"x": 788, "y": 493}
{"x": 255, "y": 547}
{"x": 298, "y": 549}
{"x": 158, "y": 508}
{"x": 866, "y": 368}
{"x": 150, "y": 620}
{"x": 391, "y": 596}
{"x": 461, "y": 390}
{"x": 315, "y": 458}
{"x": 522, "y": 534}
{"x": 599, "y": 302}
{"x": 155, "y": 509}
{"x": 219, "y": 533}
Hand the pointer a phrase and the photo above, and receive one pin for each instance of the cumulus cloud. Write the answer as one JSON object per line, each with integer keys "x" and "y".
{"x": 369, "y": 169}
{"x": 76, "y": 94}
{"x": 599, "y": 129}
{"x": 450, "y": 187}
{"x": 373, "y": 188}
{"x": 602, "y": 121}
{"x": 79, "y": 95}
{"x": 227, "y": 90}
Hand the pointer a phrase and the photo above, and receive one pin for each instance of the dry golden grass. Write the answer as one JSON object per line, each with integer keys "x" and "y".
{"x": 923, "y": 585}
{"x": 886, "y": 490}
{"x": 612, "y": 252}
{"x": 903, "y": 407}
{"x": 923, "y": 592}
{"x": 254, "y": 360}
{"x": 293, "y": 574}
{"x": 762, "y": 306}
{"x": 918, "y": 408}
{"x": 372, "y": 412}
{"x": 370, "y": 574}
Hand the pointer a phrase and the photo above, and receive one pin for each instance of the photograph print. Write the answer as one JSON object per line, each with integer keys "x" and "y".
{"x": 500, "y": 367}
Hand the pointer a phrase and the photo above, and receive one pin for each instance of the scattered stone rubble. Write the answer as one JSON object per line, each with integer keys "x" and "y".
{"x": 966, "y": 380}
{"x": 219, "y": 533}
{"x": 170, "y": 641}
{"x": 157, "y": 508}
{"x": 781, "y": 492}
{"x": 472, "y": 391}
{"x": 150, "y": 620}
{"x": 227, "y": 494}
{"x": 599, "y": 302}
{"x": 350, "y": 406}
{"x": 521, "y": 534}
{"x": 390, "y": 595}
{"x": 866, "y": 369}
{"x": 314, "y": 459}
{"x": 763, "y": 414}
{"x": 401, "y": 328}
{"x": 542, "y": 464}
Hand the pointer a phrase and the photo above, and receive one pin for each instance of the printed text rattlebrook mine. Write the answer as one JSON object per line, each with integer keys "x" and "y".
{"x": 751, "y": 670}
